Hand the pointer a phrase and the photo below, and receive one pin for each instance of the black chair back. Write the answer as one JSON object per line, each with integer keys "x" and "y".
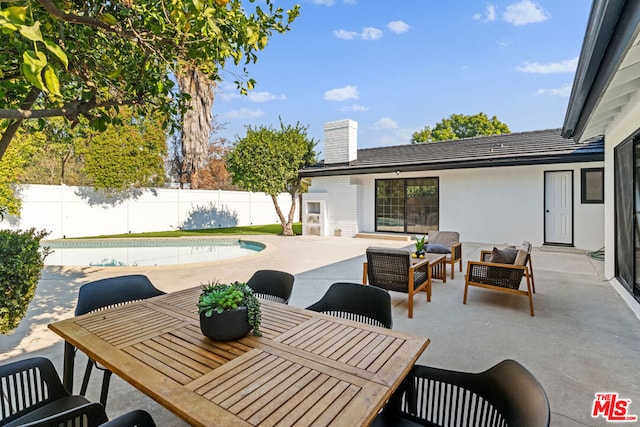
{"x": 353, "y": 301}
{"x": 106, "y": 293}
{"x": 272, "y": 285}
{"x": 505, "y": 394}
{"x": 113, "y": 291}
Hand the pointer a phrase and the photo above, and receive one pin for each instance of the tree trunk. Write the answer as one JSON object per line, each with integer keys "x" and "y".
{"x": 197, "y": 120}
{"x": 287, "y": 224}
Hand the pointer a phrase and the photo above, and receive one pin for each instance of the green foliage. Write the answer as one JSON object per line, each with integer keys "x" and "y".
{"x": 11, "y": 166}
{"x": 124, "y": 155}
{"x": 458, "y": 126}
{"x": 91, "y": 57}
{"x": 420, "y": 244}
{"x": 268, "y": 160}
{"x": 20, "y": 269}
{"x": 218, "y": 297}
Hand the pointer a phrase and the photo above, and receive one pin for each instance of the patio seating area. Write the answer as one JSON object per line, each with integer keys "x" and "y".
{"x": 582, "y": 340}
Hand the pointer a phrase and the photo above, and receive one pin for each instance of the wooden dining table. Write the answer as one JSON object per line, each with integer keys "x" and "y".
{"x": 306, "y": 369}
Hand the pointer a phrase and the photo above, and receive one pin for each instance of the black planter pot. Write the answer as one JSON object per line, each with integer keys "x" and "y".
{"x": 226, "y": 326}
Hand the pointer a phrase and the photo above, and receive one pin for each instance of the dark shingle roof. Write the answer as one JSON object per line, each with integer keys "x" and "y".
{"x": 523, "y": 148}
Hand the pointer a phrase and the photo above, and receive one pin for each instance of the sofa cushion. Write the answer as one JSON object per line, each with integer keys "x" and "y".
{"x": 436, "y": 248}
{"x": 444, "y": 238}
{"x": 521, "y": 257}
{"x": 504, "y": 256}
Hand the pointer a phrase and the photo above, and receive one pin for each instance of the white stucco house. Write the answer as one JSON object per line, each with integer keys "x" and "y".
{"x": 535, "y": 186}
{"x": 605, "y": 104}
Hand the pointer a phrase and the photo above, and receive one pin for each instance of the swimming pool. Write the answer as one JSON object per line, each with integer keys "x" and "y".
{"x": 149, "y": 251}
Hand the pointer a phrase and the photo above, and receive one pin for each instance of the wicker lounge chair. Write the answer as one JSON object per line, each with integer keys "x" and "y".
{"x": 393, "y": 270}
{"x": 502, "y": 277}
{"x": 505, "y": 395}
{"x": 451, "y": 241}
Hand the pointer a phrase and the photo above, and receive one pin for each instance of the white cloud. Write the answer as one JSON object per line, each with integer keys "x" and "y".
{"x": 341, "y": 93}
{"x": 398, "y": 27}
{"x": 264, "y": 97}
{"x": 346, "y": 35}
{"x": 385, "y": 123}
{"x": 354, "y": 107}
{"x": 242, "y": 113}
{"x": 371, "y": 33}
{"x": 323, "y": 2}
{"x": 524, "y": 12}
{"x": 566, "y": 66}
{"x": 488, "y": 16}
{"x": 368, "y": 33}
{"x": 563, "y": 91}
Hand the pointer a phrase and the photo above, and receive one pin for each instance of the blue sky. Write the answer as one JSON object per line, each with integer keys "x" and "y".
{"x": 397, "y": 66}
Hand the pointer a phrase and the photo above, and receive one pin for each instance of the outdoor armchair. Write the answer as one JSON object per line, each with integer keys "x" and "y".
{"x": 393, "y": 270}
{"x": 354, "y": 301}
{"x": 501, "y": 276}
{"x": 106, "y": 293}
{"x": 451, "y": 241}
{"x": 272, "y": 285}
{"x": 506, "y": 394}
{"x": 31, "y": 391}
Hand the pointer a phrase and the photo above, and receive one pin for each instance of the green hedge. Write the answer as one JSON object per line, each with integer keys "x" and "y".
{"x": 21, "y": 264}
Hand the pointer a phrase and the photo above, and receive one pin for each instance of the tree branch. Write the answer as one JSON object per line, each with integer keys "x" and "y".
{"x": 71, "y": 110}
{"x": 87, "y": 20}
{"x": 8, "y": 135}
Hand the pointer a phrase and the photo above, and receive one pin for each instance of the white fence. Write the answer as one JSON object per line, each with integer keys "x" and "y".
{"x": 80, "y": 211}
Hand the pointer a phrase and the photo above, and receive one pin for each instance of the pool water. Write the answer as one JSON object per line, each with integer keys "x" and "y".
{"x": 141, "y": 252}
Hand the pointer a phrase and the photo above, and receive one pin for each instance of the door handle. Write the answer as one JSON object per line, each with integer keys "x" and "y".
{"x": 547, "y": 210}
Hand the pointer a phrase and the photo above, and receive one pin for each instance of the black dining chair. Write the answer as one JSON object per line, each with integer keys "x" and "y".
{"x": 106, "y": 293}
{"x": 94, "y": 415}
{"x": 506, "y": 394}
{"x": 354, "y": 301}
{"x": 136, "y": 418}
{"x": 272, "y": 285}
{"x": 31, "y": 393}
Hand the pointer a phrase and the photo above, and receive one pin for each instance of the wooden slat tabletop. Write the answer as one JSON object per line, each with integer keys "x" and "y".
{"x": 307, "y": 368}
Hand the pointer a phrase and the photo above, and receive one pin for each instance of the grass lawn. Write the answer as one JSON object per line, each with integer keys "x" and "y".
{"x": 250, "y": 229}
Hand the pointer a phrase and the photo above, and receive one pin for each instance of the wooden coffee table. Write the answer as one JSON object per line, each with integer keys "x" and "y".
{"x": 438, "y": 263}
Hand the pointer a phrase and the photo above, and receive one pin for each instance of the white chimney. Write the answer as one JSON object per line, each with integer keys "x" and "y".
{"x": 340, "y": 141}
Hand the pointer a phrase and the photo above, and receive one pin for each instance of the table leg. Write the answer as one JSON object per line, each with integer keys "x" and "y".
{"x": 67, "y": 372}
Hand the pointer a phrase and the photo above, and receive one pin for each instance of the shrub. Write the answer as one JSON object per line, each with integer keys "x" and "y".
{"x": 20, "y": 269}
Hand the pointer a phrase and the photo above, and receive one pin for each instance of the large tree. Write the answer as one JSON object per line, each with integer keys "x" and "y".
{"x": 268, "y": 160}
{"x": 458, "y": 126}
{"x": 88, "y": 58}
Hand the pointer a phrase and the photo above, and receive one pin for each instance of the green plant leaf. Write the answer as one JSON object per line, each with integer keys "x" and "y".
{"x": 109, "y": 19}
{"x": 57, "y": 51}
{"x": 32, "y": 32}
{"x": 51, "y": 81}
{"x": 34, "y": 63}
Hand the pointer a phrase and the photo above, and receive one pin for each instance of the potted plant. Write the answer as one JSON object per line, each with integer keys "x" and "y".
{"x": 228, "y": 311}
{"x": 419, "y": 253}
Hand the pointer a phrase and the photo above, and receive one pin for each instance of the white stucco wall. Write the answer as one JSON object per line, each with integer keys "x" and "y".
{"x": 502, "y": 205}
{"x": 79, "y": 211}
{"x": 340, "y": 197}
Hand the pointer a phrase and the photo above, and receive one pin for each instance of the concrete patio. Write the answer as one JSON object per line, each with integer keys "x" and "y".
{"x": 583, "y": 339}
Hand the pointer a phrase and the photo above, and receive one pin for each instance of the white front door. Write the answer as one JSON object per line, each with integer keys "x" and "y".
{"x": 558, "y": 207}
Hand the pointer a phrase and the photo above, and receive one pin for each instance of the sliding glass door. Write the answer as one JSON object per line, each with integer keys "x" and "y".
{"x": 407, "y": 205}
{"x": 627, "y": 214}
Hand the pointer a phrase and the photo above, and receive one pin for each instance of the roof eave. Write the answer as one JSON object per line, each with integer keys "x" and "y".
{"x": 456, "y": 164}
{"x": 610, "y": 32}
